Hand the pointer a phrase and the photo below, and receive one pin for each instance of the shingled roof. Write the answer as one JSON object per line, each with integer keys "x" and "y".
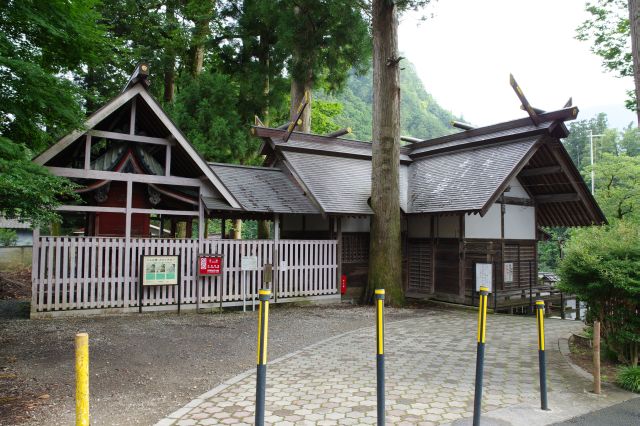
{"x": 261, "y": 189}
{"x": 463, "y": 172}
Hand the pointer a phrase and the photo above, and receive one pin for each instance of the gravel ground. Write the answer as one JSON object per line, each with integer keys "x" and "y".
{"x": 144, "y": 367}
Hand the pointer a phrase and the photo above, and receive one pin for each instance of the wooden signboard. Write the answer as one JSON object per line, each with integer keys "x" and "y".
{"x": 209, "y": 265}
{"x": 158, "y": 271}
{"x": 508, "y": 272}
{"x": 484, "y": 276}
{"x": 249, "y": 263}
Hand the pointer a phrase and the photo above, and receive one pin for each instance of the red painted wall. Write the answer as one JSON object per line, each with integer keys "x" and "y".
{"x": 113, "y": 224}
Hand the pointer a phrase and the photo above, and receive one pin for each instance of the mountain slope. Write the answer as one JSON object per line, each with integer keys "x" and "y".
{"x": 420, "y": 114}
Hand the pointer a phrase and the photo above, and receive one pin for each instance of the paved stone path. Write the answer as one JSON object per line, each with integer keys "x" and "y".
{"x": 430, "y": 376}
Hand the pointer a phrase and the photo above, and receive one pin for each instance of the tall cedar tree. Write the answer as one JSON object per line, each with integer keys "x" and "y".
{"x": 325, "y": 39}
{"x": 385, "y": 254}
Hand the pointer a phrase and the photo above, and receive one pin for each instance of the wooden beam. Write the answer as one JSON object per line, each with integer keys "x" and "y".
{"x": 132, "y": 119}
{"x": 518, "y": 201}
{"x": 96, "y": 209}
{"x": 538, "y": 171}
{"x": 129, "y": 137}
{"x": 167, "y": 161}
{"x": 339, "y": 133}
{"x": 87, "y": 153}
{"x": 165, "y": 212}
{"x": 557, "y": 198}
{"x": 124, "y": 177}
{"x": 525, "y": 103}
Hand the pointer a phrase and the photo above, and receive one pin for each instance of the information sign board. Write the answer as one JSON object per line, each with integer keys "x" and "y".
{"x": 249, "y": 263}
{"x": 484, "y": 276}
{"x": 209, "y": 264}
{"x": 508, "y": 272}
{"x": 160, "y": 270}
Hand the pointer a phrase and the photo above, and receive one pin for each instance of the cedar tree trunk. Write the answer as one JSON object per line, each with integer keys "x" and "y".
{"x": 297, "y": 95}
{"x": 385, "y": 259}
{"x": 634, "y": 26}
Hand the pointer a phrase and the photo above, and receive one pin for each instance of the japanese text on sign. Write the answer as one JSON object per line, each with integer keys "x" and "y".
{"x": 209, "y": 265}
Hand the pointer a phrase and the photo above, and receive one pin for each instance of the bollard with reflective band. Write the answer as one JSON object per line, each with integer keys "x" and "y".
{"x": 82, "y": 379}
{"x": 541, "y": 355}
{"x": 261, "y": 357}
{"x": 482, "y": 332}
{"x": 379, "y": 298}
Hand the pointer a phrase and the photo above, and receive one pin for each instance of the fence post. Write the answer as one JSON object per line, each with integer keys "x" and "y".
{"x": 82, "y": 379}
{"x": 596, "y": 357}
{"x": 541, "y": 355}
{"x": 482, "y": 328}
{"x": 379, "y": 298}
{"x": 263, "y": 335}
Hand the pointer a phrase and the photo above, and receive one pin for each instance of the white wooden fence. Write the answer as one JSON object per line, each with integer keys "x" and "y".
{"x": 73, "y": 273}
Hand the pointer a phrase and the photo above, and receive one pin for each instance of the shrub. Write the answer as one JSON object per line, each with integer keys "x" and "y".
{"x": 629, "y": 378}
{"x": 8, "y": 237}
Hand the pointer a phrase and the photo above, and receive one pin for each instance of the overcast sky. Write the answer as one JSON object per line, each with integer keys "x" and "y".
{"x": 464, "y": 55}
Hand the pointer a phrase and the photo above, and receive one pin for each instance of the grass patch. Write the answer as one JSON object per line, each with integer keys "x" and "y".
{"x": 629, "y": 378}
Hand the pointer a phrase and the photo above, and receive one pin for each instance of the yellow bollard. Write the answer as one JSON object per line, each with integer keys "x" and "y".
{"x": 82, "y": 379}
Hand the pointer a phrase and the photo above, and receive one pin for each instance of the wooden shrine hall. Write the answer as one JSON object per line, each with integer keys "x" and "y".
{"x": 480, "y": 195}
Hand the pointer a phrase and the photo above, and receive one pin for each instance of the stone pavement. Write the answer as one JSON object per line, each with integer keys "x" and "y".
{"x": 430, "y": 364}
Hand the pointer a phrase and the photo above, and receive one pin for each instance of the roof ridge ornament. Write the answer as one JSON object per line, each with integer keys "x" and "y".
{"x": 140, "y": 74}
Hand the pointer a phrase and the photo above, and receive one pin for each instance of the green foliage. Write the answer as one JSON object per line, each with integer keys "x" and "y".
{"x": 41, "y": 44}
{"x": 8, "y": 237}
{"x": 206, "y": 111}
{"x": 326, "y": 39}
{"x": 29, "y": 192}
{"x": 601, "y": 268}
{"x": 617, "y": 186}
{"x": 420, "y": 114}
{"x": 323, "y": 114}
{"x": 608, "y": 31}
{"x": 550, "y": 251}
{"x": 629, "y": 378}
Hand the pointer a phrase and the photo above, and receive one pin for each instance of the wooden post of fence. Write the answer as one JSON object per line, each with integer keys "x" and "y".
{"x": 35, "y": 286}
{"x": 596, "y": 357}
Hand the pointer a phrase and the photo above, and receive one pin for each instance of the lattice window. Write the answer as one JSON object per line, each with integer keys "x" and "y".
{"x": 355, "y": 248}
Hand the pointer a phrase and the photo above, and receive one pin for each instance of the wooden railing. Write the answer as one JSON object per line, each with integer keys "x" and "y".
{"x": 71, "y": 273}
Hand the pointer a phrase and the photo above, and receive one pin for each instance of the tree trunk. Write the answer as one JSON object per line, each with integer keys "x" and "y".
{"x": 634, "y": 25}
{"x": 385, "y": 260}
{"x": 237, "y": 229}
{"x": 264, "y": 229}
{"x": 297, "y": 95}
{"x": 170, "y": 58}
{"x": 200, "y": 33}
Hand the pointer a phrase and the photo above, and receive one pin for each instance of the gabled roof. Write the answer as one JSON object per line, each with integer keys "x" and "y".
{"x": 131, "y": 93}
{"x": 463, "y": 172}
{"x": 262, "y": 189}
{"x": 464, "y": 180}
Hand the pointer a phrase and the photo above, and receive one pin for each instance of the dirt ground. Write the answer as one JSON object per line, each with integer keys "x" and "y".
{"x": 582, "y": 355}
{"x": 14, "y": 284}
{"x": 143, "y": 367}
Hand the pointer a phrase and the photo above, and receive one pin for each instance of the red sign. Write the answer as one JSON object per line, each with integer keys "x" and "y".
{"x": 209, "y": 265}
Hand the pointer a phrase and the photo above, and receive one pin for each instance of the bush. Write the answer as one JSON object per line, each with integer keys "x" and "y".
{"x": 8, "y": 237}
{"x": 629, "y": 378}
{"x": 601, "y": 268}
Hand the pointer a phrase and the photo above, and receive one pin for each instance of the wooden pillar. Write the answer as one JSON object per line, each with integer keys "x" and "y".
{"x": 87, "y": 152}
{"x": 461, "y": 259}
{"x": 127, "y": 246}
{"x": 503, "y": 210}
{"x": 276, "y": 255}
{"x": 201, "y": 236}
{"x": 339, "y": 249}
{"x": 432, "y": 235}
{"x": 132, "y": 119}
{"x": 34, "y": 268}
{"x": 161, "y": 231}
{"x": 167, "y": 161}
{"x": 173, "y": 227}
